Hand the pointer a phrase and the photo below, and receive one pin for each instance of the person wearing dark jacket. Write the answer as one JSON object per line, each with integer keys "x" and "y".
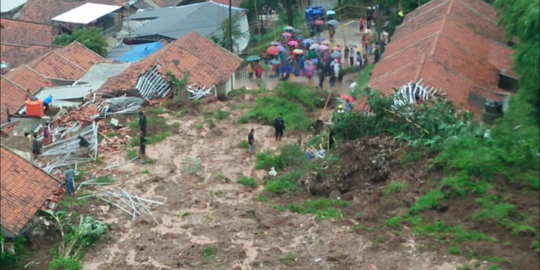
{"x": 331, "y": 139}
{"x": 142, "y": 145}
{"x": 84, "y": 144}
{"x": 279, "y": 126}
{"x": 36, "y": 147}
{"x": 142, "y": 123}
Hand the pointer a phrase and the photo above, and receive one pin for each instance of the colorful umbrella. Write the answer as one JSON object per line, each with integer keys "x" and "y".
{"x": 274, "y": 62}
{"x": 336, "y": 55}
{"x": 281, "y": 48}
{"x": 333, "y": 23}
{"x": 330, "y": 12}
{"x": 253, "y": 58}
{"x": 293, "y": 43}
{"x": 288, "y": 28}
{"x": 308, "y": 41}
{"x": 315, "y": 61}
{"x": 298, "y": 51}
{"x": 319, "y": 39}
{"x": 273, "y": 50}
{"x": 348, "y": 98}
{"x": 286, "y": 34}
{"x": 325, "y": 42}
{"x": 323, "y": 47}
{"x": 275, "y": 43}
{"x": 336, "y": 49}
{"x": 318, "y": 22}
{"x": 314, "y": 46}
{"x": 299, "y": 37}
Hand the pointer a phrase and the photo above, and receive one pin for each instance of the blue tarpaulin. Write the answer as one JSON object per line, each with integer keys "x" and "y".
{"x": 139, "y": 52}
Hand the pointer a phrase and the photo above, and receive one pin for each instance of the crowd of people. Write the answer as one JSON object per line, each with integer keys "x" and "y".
{"x": 293, "y": 56}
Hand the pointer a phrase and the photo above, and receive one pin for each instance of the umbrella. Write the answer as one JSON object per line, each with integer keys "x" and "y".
{"x": 336, "y": 55}
{"x": 325, "y": 42}
{"x": 274, "y": 62}
{"x": 281, "y": 48}
{"x": 336, "y": 49}
{"x": 323, "y": 47}
{"x": 330, "y": 12}
{"x": 253, "y": 58}
{"x": 333, "y": 23}
{"x": 298, "y": 51}
{"x": 275, "y": 43}
{"x": 288, "y": 28}
{"x": 293, "y": 43}
{"x": 314, "y": 46}
{"x": 308, "y": 41}
{"x": 348, "y": 98}
{"x": 4, "y": 65}
{"x": 319, "y": 39}
{"x": 273, "y": 50}
{"x": 286, "y": 34}
{"x": 318, "y": 22}
{"x": 299, "y": 37}
{"x": 297, "y": 31}
{"x": 315, "y": 61}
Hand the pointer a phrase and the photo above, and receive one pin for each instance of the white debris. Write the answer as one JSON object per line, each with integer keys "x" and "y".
{"x": 272, "y": 172}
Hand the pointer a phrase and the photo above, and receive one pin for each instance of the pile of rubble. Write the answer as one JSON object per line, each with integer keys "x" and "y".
{"x": 114, "y": 145}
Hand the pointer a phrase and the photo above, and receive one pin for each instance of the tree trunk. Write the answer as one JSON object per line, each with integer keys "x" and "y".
{"x": 288, "y": 6}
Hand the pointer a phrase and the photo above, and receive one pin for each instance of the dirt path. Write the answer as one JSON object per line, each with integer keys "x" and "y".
{"x": 208, "y": 209}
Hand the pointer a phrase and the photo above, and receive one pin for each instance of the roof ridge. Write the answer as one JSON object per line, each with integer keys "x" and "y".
{"x": 190, "y": 52}
{"x": 37, "y": 72}
{"x": 71, "y": 62}
{"x": 397, "y": 69}
{"x": 406, "y": 35}
{"x": 427, "y": 11}
{"x": 434, "y": 48}
{"x": 25, "y": 21}
{"x": 467, "y": 79}
{"x": 82, "y": 46}
{"x": 216, "y": 45}
{"x": 477, "y": 12}
{"x": 16, "y": 84}
{"x": 420, "y": 67}
{"x": 410, "y": 46}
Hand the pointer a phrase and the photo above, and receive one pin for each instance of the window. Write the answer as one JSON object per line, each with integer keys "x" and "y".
{"x": 508, "y": 83}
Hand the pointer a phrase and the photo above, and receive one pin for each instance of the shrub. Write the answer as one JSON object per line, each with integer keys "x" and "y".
{"x": 431, "y": 200}
{"x": 247, "y": 182}
{"x": 394, "y": 188}
{"x": 221, "y": 115}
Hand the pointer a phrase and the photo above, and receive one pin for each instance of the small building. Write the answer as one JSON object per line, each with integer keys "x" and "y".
{"x": 173, "y": 23}
{"x": 209, "y": 64}
{"x": 91, "y": 15}
{"x": 26, "y": 189}
{"x": 455, "y": 46}
{"x": 11, "y": 7}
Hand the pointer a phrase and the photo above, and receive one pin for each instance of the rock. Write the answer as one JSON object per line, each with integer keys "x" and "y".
{"x": 318, "y": 260}
{"x": 334, "y": 195}
{"x": 474, "y": 263}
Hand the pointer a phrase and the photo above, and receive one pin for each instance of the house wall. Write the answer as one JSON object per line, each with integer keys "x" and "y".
{"x": 243, "y": 42}
{"x": 6, "y": 232}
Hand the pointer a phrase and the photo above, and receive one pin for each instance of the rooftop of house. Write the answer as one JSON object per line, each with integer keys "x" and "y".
{"x": 42, "y": 11}
{"x": 17, "y": 32}
{"x": 209, "y": 64}
{"x": 454, "y": 46}
{"x": 68, "y": 63}
{"x": 25, "y": 189}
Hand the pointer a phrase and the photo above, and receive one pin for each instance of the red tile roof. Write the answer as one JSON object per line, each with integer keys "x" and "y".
{"x": 16, "y": 32}
{"x": 42, "y": 11}
{"x": 208, "y": 63}
{"x": 17, "y": 55}
{"x": 25, "y": 189}
{"x": 454, "y": 46}
{"x": 67, "y": 63}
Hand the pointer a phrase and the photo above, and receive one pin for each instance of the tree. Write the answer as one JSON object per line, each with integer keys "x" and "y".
{"x": 221, "y": 36}
{"x": 91, "y": 38}
{"x": 520, "y": 19}
{"x": 256, "y": 7}
{"x": 288, "y": 5}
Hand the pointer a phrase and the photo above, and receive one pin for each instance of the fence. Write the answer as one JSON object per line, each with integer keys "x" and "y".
{"x": 109, "y": 32}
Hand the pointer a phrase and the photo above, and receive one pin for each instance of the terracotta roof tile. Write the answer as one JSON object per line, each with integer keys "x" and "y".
{"x": 25, "y": 189}
{"x": 57, "y": 67}
{"x": 81, "y": 55}
{"x": 209, "y": 64}
{"x": 17, "y": 55}
{"x": 12, "y": 96}
{"x": 28, "y": 78}
{"x": 454, "y": 46}
{"x": 17, "y": 32}
{"x": 42, "y": 11}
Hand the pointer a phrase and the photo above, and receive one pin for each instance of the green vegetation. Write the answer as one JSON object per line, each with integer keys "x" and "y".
{"x": 290, "y": 99}
{"x": 221, "y": 115}
{"x": 88, "y": 37}
{"x": 225, "y": 33}
{"x": 247, "y": 182}
{"x": 394, "y": 188}
{"x": 208, "y": 253}
{"x": 322, "y": 208}
{"x": 153, "y": 122}
{"x": 7, "y": 259}
{"x": 76, "y": 236}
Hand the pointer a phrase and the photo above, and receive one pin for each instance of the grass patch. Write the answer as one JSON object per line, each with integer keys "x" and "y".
{"x": 291, "y": 100}
{"x": 394, "y": 222}
{"x": 247, "y": 182}
{"x": 208, "y": 253}
{"x": 131, "y": 154}
{"x": 322, "y": 208}
{"x": 394, "y": 188}
{"x": 363, "y": 80}
{"x": 243, "y": 144}
{"x": 112, "y": 134}
{"x": 221, "y": 115}
{"x": 287, "y": 183}
{"x": 106, "y": 179}
{"x": 431, "y": 200}
{"x": 262, "y": 198}
{"x": 454, "y": 250}
{"x": 291, "y": 155}
{"x": 147, "y": 172}
{"x": 288, "y": 258}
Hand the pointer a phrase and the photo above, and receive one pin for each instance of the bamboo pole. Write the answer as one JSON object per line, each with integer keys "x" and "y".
{"x": 326, "y": 104}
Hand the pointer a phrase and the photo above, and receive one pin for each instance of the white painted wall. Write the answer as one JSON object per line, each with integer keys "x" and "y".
{"x": 243, "y": 42}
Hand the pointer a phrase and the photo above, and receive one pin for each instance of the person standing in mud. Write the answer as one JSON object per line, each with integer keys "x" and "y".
{"x": 251, "y": 142}
{"x": 142, "y": 123}
{"x": 279, "y": 126}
